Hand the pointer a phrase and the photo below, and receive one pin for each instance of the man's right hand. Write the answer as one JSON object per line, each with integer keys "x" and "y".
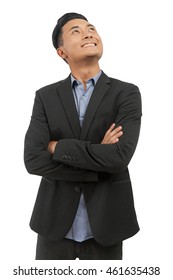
{"x": 112, "y": 135}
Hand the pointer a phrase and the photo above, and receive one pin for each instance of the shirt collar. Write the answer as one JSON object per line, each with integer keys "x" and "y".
{"x": 93, "y": 79}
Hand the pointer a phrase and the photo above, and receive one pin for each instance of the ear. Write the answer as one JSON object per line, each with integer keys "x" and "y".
{"x": 61, "y": 53}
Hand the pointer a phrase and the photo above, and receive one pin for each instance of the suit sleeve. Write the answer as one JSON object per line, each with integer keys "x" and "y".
{"x": 38, "y": 160}
{"x": 110, "y": 158}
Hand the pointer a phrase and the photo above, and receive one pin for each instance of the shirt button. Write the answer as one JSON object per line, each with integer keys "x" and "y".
{"x": 77, "y": 189}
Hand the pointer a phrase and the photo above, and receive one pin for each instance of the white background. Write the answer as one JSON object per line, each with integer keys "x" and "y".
{"x": 138, "y": 47}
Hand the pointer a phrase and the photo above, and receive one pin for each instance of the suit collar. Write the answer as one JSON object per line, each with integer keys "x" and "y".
{"x": 93, "y": 79}
{"x": 97, "y": 96}
{"x": 66, "y": 96}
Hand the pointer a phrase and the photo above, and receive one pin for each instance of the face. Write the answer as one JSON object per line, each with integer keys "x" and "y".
{"x": 80, "y": 42}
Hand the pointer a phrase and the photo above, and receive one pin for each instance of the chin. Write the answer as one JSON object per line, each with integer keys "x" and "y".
{"x": 94, "y": 54}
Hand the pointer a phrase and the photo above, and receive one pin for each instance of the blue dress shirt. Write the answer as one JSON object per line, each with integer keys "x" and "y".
{"x": 80, "y": 229}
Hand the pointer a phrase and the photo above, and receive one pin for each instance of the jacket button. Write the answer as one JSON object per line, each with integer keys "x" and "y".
{"x": 64, "y": 157}
{"x": 77, "y": 189}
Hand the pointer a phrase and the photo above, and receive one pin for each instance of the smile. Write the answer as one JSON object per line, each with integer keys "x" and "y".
{"x": 89, "y": 45}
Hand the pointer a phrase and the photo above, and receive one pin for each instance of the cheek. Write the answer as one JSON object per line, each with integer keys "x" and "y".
{"x": 100, "y": 43}
{"x": 72, "y": 51}
{"x": 100, "y": 49}
{"x": 71, "y": 47}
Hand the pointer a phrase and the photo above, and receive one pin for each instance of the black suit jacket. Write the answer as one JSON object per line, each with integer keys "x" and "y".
{"x": 80, "y": 163}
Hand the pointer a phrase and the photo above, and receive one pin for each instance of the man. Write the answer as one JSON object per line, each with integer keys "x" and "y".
{"x": 82, "y": 136}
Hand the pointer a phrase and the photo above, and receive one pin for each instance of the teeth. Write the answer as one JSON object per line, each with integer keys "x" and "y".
{"x": 89, "y": 45}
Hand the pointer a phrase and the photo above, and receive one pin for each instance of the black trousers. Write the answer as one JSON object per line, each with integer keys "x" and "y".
{"x": 67, "y": 249}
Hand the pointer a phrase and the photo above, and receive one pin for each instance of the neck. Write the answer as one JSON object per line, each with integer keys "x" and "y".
{"x": 84, "y": 72}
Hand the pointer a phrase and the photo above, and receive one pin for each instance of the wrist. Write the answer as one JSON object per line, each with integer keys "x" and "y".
{"x": 51, "y": 146}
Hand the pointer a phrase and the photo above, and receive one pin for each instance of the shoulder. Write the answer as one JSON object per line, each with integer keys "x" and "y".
{"x": 118, "y": 84}
{"x": 51, "y": 88}
{"x": 122, "y": 84}
{"x": 124, "y": 92}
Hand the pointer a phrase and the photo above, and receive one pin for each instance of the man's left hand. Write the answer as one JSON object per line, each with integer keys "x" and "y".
{"x": 51, "y": 146}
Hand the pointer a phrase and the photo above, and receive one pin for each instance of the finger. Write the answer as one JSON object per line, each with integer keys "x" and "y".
{"x": 114, "y": 138}
{"x": 110, "y": 129}
{"x": 116, "y": 131}
{"x": 112, "y": 134}
{"x": 115, "y": 141}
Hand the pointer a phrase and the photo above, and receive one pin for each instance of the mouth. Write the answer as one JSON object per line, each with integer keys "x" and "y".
{"x": 86, "y": 45}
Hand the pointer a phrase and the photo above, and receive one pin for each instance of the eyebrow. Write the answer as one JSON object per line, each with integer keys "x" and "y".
{"x": 76, "y": 26}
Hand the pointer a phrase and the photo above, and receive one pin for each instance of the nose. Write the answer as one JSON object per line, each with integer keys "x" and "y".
{"x": 87, "y": 35}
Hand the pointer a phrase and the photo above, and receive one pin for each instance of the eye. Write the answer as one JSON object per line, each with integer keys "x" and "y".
{"x": 92, "y": 29}
{"x": 75, "y": 31}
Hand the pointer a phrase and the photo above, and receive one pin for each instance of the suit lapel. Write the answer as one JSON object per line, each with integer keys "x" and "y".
{"x": 66, "y": 97}
{"x": 99, "y": 92}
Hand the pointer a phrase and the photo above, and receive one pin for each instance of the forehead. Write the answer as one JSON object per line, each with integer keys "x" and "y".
{"x": 75, "y": 23}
